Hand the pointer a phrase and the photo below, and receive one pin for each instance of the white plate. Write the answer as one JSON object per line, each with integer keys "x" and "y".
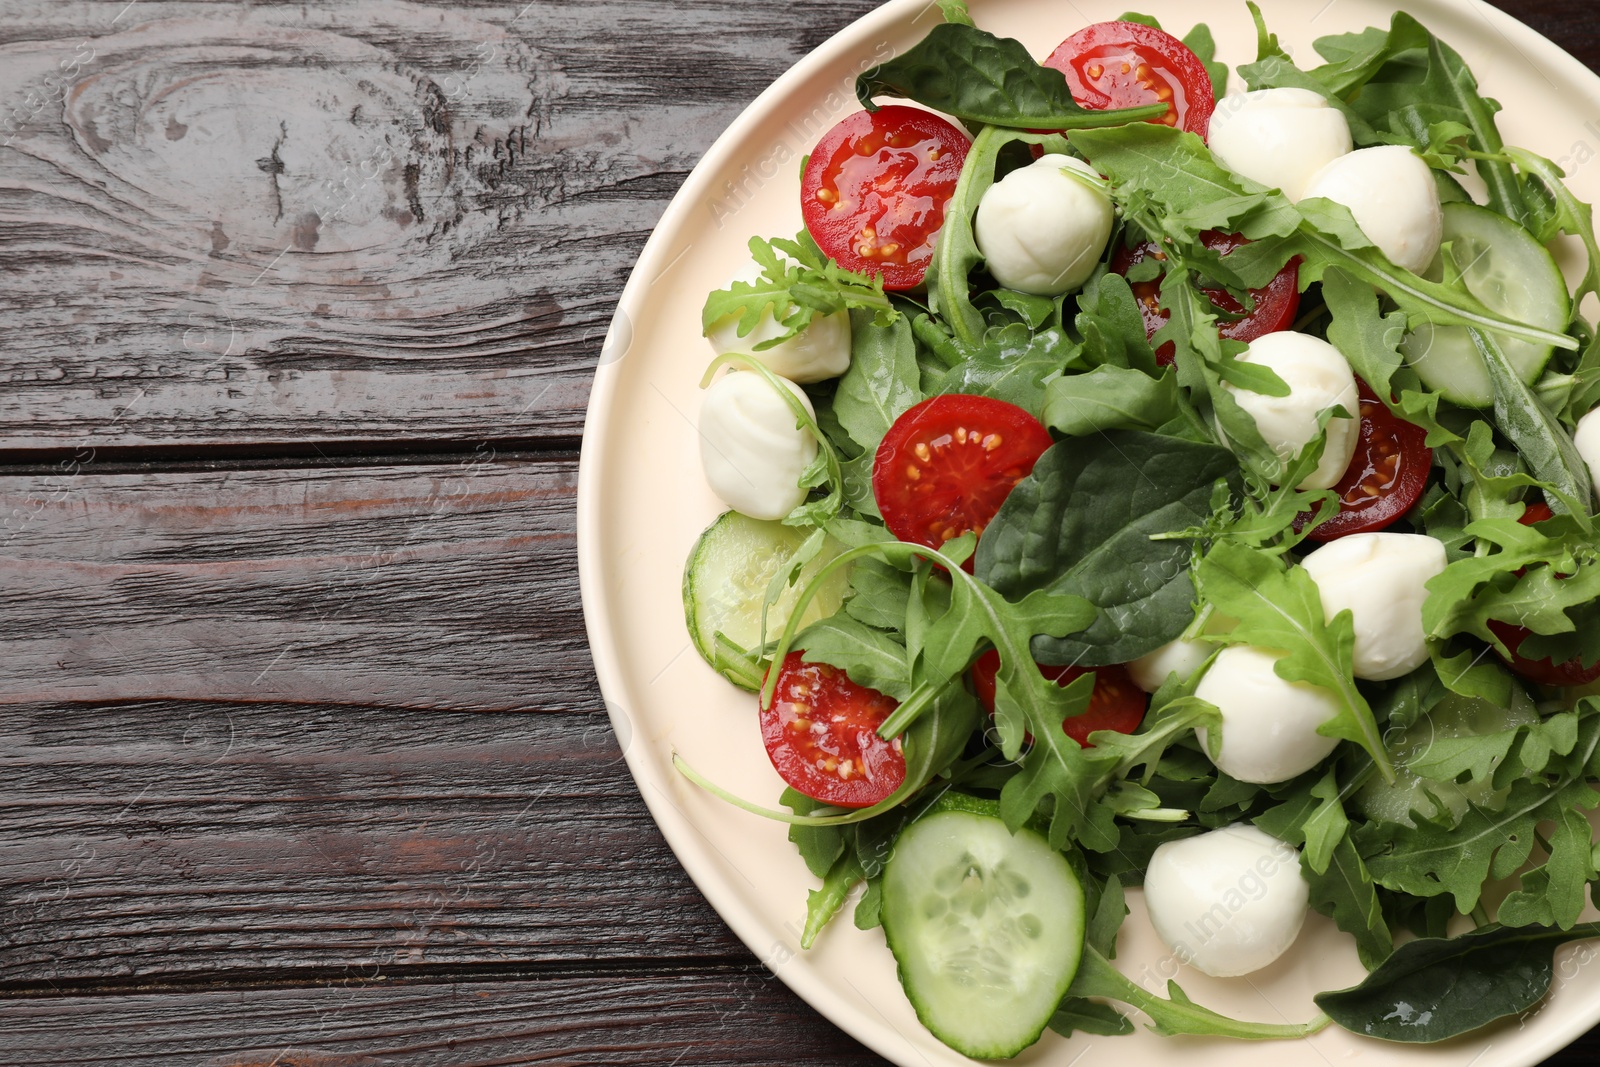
{"x": 642, "y": 502}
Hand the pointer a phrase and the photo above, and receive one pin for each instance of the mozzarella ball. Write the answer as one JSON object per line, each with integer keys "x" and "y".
{"x": 1588, "y": 441}
{"x": 1269, "y": 724}
{"x": 1228, "y": 902}
{"x": 1278, "y": 137}
{"x": 1318, "y": 377}
{"x": 1380, "y": 579}
{"x": 1392, "y": 195}
{"x": 751, "y": 449}
{"x": 1178, "y": 657}
{"x": 817, "y": 353}
{"x": 1043, "y": 231}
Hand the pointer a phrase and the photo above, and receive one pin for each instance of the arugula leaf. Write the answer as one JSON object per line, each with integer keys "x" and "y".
{"x": 823, "y": 904}
{"x": 1554, "y": 893}
{"x": 1169, "y": 181}
{"x": 955, "y": 12}
{"x": 1044, "y": 539}
{"x": 870, "y": 657}
{"x": 1432, "y": 989}
{"x": 1112, "y": 326}
{"x": 1368, "y": 339}
{"x": 1279, "y": 608}
{"x": 1204, "y": 46}
{"x": 1540, "y": 438}
{"x": 1110, "y": 398}
{"x": 978, "y": 77}
{"x": 1432, "y": 860}
{"x": 797, "y": 283}
{"x": 1345, "y": 893}
{"x": 1178, "y": 1015}
{"x": 819, "y": 846}
{"x": 882, "y": 382}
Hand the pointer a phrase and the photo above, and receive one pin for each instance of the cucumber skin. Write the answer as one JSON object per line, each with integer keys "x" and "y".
{"x": 1463, "y": 217}
{"x": 701, "y": 558}
{"x": 964, "y": 807}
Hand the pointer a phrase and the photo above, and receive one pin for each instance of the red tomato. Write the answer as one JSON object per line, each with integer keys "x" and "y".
{"x": 945, "y": 467}
{"x": 874, "y": 190}
{"x": 821, "y": 734}
{"x": 1276, "y": 305}
{"x": 1117, "y": 704}
{"x": 1128, "y": 64}
{"x": 1544, "y": 671}
{"x": 1386, "y": 476}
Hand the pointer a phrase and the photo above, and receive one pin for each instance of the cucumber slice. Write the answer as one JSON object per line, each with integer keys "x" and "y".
{"x": 1504, "y": 266}
{"x": 987, "y": 929}
{"x": 1410, "y": 794}
{"x": 725, "y": 585}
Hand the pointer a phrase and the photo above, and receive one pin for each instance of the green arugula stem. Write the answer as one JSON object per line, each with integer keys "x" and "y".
{"x": 1097, "y": 977}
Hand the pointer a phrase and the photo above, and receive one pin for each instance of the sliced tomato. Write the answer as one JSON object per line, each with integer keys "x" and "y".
{"x": 821, "y": 734}
{"x": 874, "y": 190}
{"x": 1544, "y": 671}
{"x": 1275, "y": 305}
{"x": 1117, "y": 704}
{"x": 1386, "y": 475}
{"x": 945, "y": 467}
{"x": 1128, "y": 64}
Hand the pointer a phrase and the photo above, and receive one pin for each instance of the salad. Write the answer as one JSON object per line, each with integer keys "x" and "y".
{"x": 1135, "y": 483}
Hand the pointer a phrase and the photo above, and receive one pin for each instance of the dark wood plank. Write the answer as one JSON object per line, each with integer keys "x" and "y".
{"x": 446, "y": 586}
{"x": 161, "y": 841}
{"x": 273, "y": 221}
{"x": 738, "y": 1017}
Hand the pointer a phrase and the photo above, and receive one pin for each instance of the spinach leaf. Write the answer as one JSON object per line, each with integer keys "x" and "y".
{"x": 1112, "y": 326}
{"x": 883, "y": 380}
{"x": 1082, "y": 523}
{"x": 1436, "y": 988}
{"x": 1011, "y": 364}
{"x": 797, "y": 283}
{"x": 980, "y": 78}
{"x": 1111, "y": 398}
{"x": 1278, "y": 607}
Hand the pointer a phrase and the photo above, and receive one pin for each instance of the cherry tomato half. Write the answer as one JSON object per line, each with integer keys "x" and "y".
{"x": 1386, "y": 476}
{"x": 1117, "y": 704}
{"x": 1276, "y": 304}
{"x": 1544, "y": 671}
{"x": 821, "y": 734}
{"x": 1128, "y": 64}
{"x": 874, "y": 191}
{"x": 945, "y": 467}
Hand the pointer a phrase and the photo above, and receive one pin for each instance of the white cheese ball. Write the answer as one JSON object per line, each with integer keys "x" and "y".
{"x": 1227, "y": 902}
{"x": 1392, "y": 195}
{"x": 1178, "y": 657}
{"x": 1318, "y": 378}
{"x": 1278, "y": 137}
{"x": 815, "y": 354}
{"x": 1043, "y": 231}
{"x": 1587, "y": 438}
{"x": 751, "y": 449}
{"x": 1269, "y": 724}
{"x": 1379, "y": 578}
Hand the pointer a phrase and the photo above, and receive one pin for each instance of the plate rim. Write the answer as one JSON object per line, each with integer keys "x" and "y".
{"x": 685, "y": 841}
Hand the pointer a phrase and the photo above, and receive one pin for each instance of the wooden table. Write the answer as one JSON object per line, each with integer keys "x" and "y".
{"x": 304, "y": 759}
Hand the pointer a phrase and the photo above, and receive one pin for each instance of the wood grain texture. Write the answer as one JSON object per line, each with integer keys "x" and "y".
{"x": 419, "y": 586}
{"x": 730, "y": 1017}
{"x": 261, "y": 222}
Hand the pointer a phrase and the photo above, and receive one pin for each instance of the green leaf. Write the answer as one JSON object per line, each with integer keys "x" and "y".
{"x": 1143, "y": 485}
{"x": 1279, "y": 608}
{"x": 1540, "y": 438}
{"x": 1345, "y": 893}
{"x": 820, "y": 846}
{"x": 823, "y": 904}
{"x": 1368, "y": 339}
{"x": 1204, "y": 46}
{"x": 955, "y": 12}
{"x": 1179, "y": 1015}
{"x": 797, "y": 283}
{"x": 1011, "y": 364}
{"x": 1432, "y": 989}
{"x": 980, "y": 78}
{"x": 870, "y": 657}
{"x": 1110, "y": 398}
{"x": 882, "y": 382}
{"x": 1554, "y": 893}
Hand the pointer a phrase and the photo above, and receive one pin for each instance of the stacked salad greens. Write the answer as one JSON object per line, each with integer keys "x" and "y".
{"x": 1404, "y": 827}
